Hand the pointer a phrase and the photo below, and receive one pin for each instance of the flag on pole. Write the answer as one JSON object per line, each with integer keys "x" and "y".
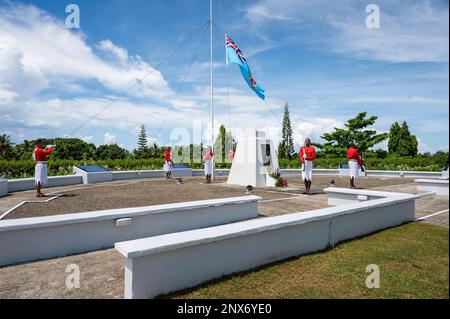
{"x": 235, "y": 55}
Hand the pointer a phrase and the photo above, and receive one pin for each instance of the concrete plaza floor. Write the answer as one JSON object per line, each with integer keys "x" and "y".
{"x": 102, "y": 272}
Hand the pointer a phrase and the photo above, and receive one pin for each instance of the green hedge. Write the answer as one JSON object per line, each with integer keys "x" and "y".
{"x": 25, "y": 168}
{"x": 386, "y": 164}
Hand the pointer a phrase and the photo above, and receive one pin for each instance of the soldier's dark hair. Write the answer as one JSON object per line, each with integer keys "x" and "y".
{"x": 38, "y": 141}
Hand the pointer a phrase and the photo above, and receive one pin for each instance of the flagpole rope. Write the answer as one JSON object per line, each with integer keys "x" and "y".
{"x": 273, "y": 113}
{"x": 138, "y": 81}
{"x": 183, "y": 81}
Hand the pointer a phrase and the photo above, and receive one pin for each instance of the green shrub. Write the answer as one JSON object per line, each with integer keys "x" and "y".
{"x": 25, "y": 168}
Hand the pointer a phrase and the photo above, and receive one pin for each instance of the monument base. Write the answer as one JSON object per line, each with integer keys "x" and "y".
{"x": 255, "y": 159}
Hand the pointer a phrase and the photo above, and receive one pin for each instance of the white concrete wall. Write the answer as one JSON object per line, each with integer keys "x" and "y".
{"x": 171, "y": 262}
{"x": 3, "y": 187}
{"x": 29, "y": 239}
{"x": 439, "y": 186}
{"x": 23, "y": 184}
{"x": 181, "y": 172}
{"x": 345, "y": 172}
{"x": 444, "y": 174}
{"x": 122, "y": 175}
{"x": 405, "y": 174}
{"x": 217, "y": 172}
{"x": 373, "y": 173}
{"x": 15, "y": 185}
{"x": 93, "y": 177}
{"x": 335, "y": 172}
{"x": 341, "y": 196}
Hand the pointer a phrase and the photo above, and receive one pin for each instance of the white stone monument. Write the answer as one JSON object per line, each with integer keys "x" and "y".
{"x": 254, "y": 160}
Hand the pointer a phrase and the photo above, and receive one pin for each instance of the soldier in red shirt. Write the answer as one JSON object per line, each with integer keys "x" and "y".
{"x": 40, "y": 172}
{"x": 307, "y": 155}
{"x": 208, "y": 160}
{"x": 354, "y": 163}
{"x": 168, "y": 163}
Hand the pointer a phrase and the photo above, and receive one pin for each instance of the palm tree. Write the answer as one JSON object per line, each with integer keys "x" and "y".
{"x": 5, "y": 145}
{"x": 25, "y": 149}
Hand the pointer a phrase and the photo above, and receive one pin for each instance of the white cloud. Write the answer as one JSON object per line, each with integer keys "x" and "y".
{"x": 435, "y": 126}
{"x": 119, "y": 53}
{"x": 313, "y": 128}
{"x": 153, "y": 140}
{"x": 38, "y": 49}
{"x": 410, "y": 31}
{"x": 109, "y": 138}
{"x": 261, "y": 12}
{"x": 6, "y": 96}
{"x": 398, "y": 100}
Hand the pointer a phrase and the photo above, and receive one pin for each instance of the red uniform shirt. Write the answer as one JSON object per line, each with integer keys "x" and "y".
{"x": 166, "y": 155}
{"x": 310, "y": 153}
{"x": 352, "y": 153}
{"x": 40, "y": 155}
{"x": 208, "y": 156}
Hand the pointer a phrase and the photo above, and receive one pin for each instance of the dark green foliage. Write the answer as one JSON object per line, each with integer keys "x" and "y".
{"x": 111, "y": 152}
{"x": 337, "y": 142}
{"x": 401, "y": 141}
{"x": 71, "y": 149}
{"x": 25, "y": 168}
{"x": 223, "y": 144}
{"x": 142, "y": 150}
{"x": 395, "y": 163}
{"x": 286, "y": 149}
{"x": 5, "y": 146}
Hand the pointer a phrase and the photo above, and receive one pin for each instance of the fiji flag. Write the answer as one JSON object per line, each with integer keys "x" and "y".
{"x": 235, "y": 55}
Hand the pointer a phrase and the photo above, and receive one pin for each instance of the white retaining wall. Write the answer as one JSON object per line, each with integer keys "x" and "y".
{"x": 15, "y": 185}
{"x": 3, "y": 187}
{"x": 439, "y": 186}
{"x": 29, "y": 239}
{"x": 170, "y": 262}
{"x": 23, "y": 184}
{"x": 93, "y": 177}
{"x": 405, "y": 174}
{"x": 342, "y": 196}
{"x": 122, "y": 175}
{"x": 217, "y": 172}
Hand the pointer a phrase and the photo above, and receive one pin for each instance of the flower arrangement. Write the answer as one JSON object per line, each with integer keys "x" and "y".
{"x": 279, "y": 181}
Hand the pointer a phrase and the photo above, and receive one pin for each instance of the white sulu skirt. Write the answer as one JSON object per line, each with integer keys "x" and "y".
{"x": 208, "y": 167}
{"x": 353, "y": 169}
{"x": 307, "y": 170}
{"x": 168, "y": 166}
{"x": 40, "y": 174}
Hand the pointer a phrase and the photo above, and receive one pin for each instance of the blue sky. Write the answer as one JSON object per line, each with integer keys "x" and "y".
{"x": 317, "y": 55}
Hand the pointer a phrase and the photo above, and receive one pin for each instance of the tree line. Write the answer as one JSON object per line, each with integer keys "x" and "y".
{"x": 401, "y": 142}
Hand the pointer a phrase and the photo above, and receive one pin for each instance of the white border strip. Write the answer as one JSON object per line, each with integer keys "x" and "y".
{"x": 431, "y": 215}
{"x": 28, "y": 201}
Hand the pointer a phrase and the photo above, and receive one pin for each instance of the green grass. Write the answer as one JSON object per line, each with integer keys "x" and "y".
{"x": 413, "y": 261}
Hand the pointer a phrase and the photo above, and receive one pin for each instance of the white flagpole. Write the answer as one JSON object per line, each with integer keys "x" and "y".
{"x": 212, "y": 89}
